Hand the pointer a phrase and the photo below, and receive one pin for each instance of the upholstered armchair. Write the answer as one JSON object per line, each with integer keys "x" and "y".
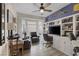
{"x": 34, "y": 37}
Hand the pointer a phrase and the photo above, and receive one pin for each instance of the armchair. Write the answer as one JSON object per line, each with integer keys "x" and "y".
{"x": 34, "y": 37}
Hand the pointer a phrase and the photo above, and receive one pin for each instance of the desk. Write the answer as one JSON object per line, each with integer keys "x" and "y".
{"x": 20, "y": 46}
{"x": 15, "y": 48}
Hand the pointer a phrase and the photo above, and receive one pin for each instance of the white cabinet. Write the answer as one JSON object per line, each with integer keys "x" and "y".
{"x": 63, "y": 44}
{"x": 56, "y": 41}
{"x": 68, "y": 49}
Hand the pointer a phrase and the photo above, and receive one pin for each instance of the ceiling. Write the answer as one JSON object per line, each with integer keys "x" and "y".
{"x": 27, "y": 8}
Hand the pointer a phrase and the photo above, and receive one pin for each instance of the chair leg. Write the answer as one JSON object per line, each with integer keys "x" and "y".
{"x": 48, "y": 44}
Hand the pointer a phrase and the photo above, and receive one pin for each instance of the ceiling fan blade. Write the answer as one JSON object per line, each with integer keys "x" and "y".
{"x": 48, "y": 10}
{"x": 47, "y": 5}
{"x": 35, "y": 10}
{"x": 35, "y": 4}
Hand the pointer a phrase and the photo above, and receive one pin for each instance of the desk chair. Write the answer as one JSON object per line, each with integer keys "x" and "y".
{"x": 48, "y": 39}
{"x": 75, "y": 44}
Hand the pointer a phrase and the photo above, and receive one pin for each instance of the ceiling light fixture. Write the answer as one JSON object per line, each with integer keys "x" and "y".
{"x": 42, "y": 10}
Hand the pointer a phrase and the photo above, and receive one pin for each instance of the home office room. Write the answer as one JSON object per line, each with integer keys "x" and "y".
{"x": 39, "y": 29}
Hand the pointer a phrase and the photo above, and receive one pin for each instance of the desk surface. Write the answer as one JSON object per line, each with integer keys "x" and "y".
{"x": 17, "y": 46}
{"x": 19, "y": 42}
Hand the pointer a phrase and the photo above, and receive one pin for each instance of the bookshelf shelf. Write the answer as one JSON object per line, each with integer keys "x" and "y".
{"x": 67, "y": 26}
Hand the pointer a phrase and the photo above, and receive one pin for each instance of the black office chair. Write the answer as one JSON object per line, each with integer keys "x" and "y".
{"x": 34, "y": 37}
{"x": 76, "y": 48}
{"x": 25, "y": 36}
{"x": 72, "y": 36}
{"x": 48, "y": 39}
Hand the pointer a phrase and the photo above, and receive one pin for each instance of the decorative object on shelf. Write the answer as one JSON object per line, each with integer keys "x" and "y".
{"x": 67, "y": 33}
{"x": 2, "y": 23}
{"x": 70, "y": 19}
{"x": 77, "y": 26}
{"x": 77, "y": 18}
{"x": 72, "y": 36}
{"x": 51, "y": 23}
{"x": 67, "y": 26}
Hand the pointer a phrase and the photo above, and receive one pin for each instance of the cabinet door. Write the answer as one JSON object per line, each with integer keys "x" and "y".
{"x": 68, "y": 47}
{"x": 59, "y": 43}
{"x": 62, "y": 44}
{"x": 56, "y": 42}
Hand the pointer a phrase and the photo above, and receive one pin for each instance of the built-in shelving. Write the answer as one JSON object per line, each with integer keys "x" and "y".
{"x": 66, "y": 20}
{"x": 77, "y": 25}
{"x": 77, "y": 21}
{"x": 68, "y": 23}
{"x": 77, "y": 18}
{"x": 67, "y": 26}
{"x": 51, "y": 23}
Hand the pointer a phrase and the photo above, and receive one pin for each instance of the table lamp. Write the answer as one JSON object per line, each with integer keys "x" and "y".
{"x": 11, "y": 27}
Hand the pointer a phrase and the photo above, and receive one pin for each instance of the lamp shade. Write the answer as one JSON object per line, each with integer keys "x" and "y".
{"x": 11, "y": 26}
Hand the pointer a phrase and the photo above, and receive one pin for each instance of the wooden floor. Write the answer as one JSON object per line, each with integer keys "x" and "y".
{"x": 41, "y": 50}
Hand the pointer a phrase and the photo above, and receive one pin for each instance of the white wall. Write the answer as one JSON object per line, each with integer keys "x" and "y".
{"x": 4, "y": 48}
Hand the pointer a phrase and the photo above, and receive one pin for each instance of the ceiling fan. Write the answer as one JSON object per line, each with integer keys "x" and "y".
{"x": 42, "y": 8}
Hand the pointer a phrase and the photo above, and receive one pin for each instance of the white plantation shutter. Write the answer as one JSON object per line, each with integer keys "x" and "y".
{"x": 31, "y": 26}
